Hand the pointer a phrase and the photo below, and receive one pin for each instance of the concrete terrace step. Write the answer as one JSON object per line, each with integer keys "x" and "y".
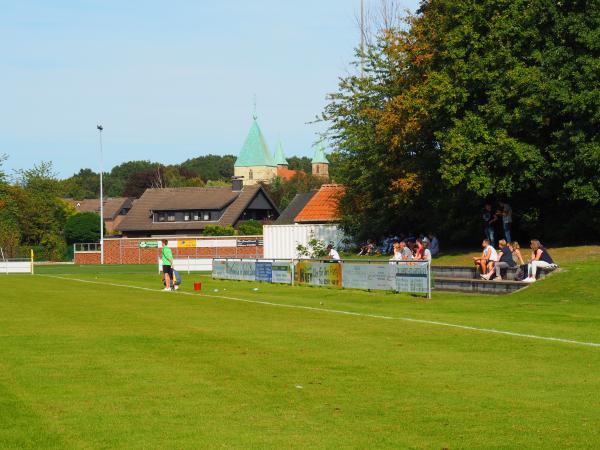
{"x": 477, "y": 285}
{"x": 463, "y": 272}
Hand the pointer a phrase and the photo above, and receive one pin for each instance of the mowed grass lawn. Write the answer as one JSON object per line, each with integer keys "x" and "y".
{"x": 87, "y": 364}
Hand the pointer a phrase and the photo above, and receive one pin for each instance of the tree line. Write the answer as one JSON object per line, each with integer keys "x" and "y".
{"x": 132, "y": 178}
{"x": 466, "y": 102}
{"x": 33, "y": 214}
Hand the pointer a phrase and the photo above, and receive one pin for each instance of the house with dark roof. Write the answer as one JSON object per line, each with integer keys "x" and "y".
{"x": 288, "y": 216}
{"x": 115, "y": 209}
{"x": 187, "y": 211}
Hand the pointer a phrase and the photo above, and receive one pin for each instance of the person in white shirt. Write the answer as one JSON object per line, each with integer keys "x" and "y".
{"x": 332, "y": 253}
{"x": 426, "y": 252}
{"x": 397, "y": 252}
{"x": 488, "y": 257}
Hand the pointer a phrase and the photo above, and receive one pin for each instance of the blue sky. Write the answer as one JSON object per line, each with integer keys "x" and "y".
{"x": 168, "y": 80}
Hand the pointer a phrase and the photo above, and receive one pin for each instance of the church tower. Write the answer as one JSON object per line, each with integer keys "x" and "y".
{"x": 279, "y": 158}
{"x": 255, "y": 162}
{"x": 320, "y": 163}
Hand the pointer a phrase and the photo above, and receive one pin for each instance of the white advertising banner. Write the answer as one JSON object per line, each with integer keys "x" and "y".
{"x": 241, "y": 270}
{"x": 216, "y": 243}
{"x": 369, "y": 276}
{"x": 281, "y": 272}
{"x": 412, "y": 277}
{"x": 219, "y": 269}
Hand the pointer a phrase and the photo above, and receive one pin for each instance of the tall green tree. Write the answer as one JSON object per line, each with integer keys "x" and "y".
{"x": 83, "y": 184}
{"x": 41, "y": 214}
{"x": 473, "y": 100}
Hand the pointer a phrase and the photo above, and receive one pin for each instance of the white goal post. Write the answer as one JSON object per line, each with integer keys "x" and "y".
{"x": 15, "y": 265}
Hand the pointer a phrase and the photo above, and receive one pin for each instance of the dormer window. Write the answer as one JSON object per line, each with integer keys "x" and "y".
{"x": 185, "y": 216}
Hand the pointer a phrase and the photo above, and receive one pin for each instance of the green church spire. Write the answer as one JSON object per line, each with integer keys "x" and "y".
{"x": 320, "y": 157}
{"x": 279, "y": 158}
{"x": 255, "y": 151}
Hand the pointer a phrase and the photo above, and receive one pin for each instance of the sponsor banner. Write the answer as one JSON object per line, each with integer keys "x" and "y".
{"x": 412, "y": 277}
{"x": 219, "y": 269}
{"x": 281, "y": 272}
{"x": 369, "y": 276}
{"x": 264, "y": 271}
{"x": 215, "y": 243}
{"x": 148, "y": 244}
{"x": 319, "y": 273}
{"x": 186, "y": 243}
{"x": 241, "y": 270}
{"x": 250, "y": 243}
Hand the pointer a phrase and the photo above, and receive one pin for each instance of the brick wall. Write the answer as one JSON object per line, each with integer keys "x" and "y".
{"x": 128, "y": 251}
{"x": 87, "y": 258}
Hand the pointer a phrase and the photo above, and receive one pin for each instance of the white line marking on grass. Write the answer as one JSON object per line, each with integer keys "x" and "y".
{"x": 348, "y": 313}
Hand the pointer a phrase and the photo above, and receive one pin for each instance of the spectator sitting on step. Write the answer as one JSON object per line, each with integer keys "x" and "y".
{"x": 397, "y": 256}
{"x": 405, "y": 251}
{"x": 368, "y": 249}
{"x": 485, "y": 262}
{"x": 540, "y": 258}
{"x": 426, "y": 252}
{"x": 505, "y": 260}
{"x": 419, "y": 249}
{"x": 515, "y": 248}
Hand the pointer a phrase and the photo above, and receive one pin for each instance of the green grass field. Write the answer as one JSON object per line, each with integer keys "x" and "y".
{"x": 98, "y": 358}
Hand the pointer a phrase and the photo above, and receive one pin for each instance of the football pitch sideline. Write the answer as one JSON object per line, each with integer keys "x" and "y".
{"x": 103, "y": 359}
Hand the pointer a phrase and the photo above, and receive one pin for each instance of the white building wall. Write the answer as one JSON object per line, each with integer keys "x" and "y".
{"x": 280, "y": 241}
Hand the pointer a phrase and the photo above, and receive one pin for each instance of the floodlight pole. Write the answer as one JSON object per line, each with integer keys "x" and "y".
{"x": 100, "y": 128}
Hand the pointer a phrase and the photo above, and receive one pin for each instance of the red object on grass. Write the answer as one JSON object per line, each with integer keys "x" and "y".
{"x": 197, "y": 286}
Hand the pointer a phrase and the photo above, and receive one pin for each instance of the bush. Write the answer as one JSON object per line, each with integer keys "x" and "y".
{"x": 251, "y": 228}
{"x": 83, "y": 227}
{"x": 315, "y": 248}
{"x": 218, "y": 230}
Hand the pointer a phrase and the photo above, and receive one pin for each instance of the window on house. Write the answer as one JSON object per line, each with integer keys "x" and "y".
{"x": 250, "y": 175}
{"x": 171, "y": 217}
{"x": 161, "y": 217}
{"x": 196, "y": 215}
{"x": 206, "y": 215}
{"x": 186, "y": 216}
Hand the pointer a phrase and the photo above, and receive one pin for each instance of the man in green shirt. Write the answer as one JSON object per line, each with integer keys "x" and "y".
{"x": 167, "y": 263}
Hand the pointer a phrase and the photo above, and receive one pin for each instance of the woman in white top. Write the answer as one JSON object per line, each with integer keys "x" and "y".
{"x": 426, "y": 252}
{"x": 397, "y": 252}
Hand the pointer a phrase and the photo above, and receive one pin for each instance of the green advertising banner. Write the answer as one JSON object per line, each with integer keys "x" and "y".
{"x": 148, "y": 244}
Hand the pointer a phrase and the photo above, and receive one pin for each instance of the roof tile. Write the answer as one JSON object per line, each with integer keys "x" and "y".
{"x": 323, "y": 206}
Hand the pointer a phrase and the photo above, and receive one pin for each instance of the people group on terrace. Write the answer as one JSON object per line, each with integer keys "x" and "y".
{"x": 404, "y": 247}
{"x": 492, "y": 262}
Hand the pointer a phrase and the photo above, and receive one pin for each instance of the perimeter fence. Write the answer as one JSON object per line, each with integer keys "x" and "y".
{"x": 398, "y": 276}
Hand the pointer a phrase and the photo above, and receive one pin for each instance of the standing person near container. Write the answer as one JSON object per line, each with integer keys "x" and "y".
{"x": 167, "y": 263}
